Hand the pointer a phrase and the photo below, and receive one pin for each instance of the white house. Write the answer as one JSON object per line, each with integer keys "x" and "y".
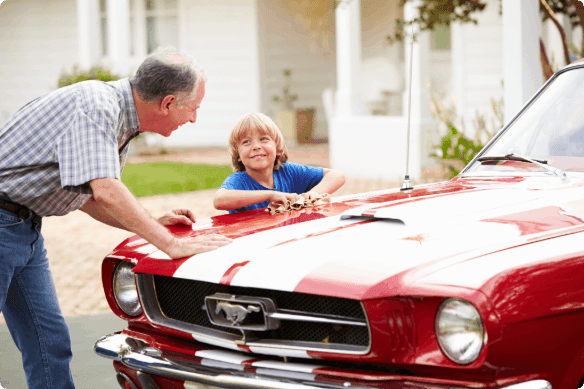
{"x": 339, "y": 59}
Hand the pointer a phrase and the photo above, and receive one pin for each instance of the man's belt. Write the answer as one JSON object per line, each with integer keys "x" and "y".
{"x": 19, "y": 210}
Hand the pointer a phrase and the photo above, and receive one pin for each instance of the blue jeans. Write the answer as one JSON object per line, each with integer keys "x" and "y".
{"x": 28, "y": 300}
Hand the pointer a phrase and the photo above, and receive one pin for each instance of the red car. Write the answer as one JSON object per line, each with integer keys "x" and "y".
{"x": 477, "y": 282}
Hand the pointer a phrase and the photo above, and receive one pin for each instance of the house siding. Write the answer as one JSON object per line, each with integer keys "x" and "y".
{"x": 477, "y": 66}
{"x": 223, "y": 37}
{"x": 286, "y": 44}
{"x": 30, "y": 64}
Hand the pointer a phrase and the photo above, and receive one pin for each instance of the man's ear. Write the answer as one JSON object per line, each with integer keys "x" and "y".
{"x": 165, "y": 103}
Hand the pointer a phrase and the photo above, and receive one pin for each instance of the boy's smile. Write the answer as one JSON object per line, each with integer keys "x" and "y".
{"x": 257, "y": 152}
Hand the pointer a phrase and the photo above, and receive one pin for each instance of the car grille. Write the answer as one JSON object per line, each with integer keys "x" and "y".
{"x": 183, "y": 301}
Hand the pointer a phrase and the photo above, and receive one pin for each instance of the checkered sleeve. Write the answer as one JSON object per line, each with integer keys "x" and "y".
{"x": 88, "y": 151}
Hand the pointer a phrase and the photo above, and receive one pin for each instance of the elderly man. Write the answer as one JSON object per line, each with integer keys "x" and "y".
{"x": 66, "y": 151}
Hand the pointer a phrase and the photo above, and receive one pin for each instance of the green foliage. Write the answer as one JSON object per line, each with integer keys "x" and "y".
{"x": 455, "y": 150}
{"x": 563, "y": 7}
{"x": 96, "y": 73}
{"x": 287, "y": 98}
{"x": 455, "y": 146}
{"x": 434, "y": 13}
{"x": 149, "y": 179}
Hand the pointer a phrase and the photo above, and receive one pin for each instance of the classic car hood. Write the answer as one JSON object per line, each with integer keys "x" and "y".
{"x": 378, "y": 243}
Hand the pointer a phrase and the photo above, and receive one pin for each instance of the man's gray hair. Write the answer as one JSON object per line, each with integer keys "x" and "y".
{"x": 167, "y": 71}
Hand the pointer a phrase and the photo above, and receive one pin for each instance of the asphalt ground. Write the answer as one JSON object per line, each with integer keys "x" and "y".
{"x": 89, "y": 370}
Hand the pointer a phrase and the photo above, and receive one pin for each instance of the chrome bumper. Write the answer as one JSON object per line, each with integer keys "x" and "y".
{"x": 137, "y": 355}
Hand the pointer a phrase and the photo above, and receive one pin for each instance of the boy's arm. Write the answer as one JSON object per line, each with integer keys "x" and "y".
{"x": 229, "y": 199}
{"x": 331, "y": 181}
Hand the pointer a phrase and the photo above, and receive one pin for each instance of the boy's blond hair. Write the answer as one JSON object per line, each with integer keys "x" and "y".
{"x": 265, "y": 125}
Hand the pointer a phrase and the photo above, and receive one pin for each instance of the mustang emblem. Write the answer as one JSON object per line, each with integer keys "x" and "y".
{"x": 235, "y": 313}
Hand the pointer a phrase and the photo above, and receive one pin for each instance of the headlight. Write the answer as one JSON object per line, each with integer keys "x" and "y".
{"x": 459, "y": 330}
{"x": 125, "y": 291}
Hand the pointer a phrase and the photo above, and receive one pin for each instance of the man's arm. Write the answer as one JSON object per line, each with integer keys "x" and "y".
{"x": 115, "y": 205}
{"x": 229, "y": 199}
{"x": 331, "y": 181}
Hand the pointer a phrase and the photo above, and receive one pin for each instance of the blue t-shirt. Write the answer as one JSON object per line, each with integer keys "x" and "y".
{"x": 289, "y": 178}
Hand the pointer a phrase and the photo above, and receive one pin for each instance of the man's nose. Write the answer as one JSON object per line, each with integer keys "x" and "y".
{"x": 193, "y": 117}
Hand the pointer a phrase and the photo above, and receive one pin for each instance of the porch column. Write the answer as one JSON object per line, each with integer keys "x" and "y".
{"x": 348, "y": 35}
{"x": 87, "y": 33}
{"x": 139, "y": 34}
{"x": 118, "y": 35}
{"x": 522, "y": 65}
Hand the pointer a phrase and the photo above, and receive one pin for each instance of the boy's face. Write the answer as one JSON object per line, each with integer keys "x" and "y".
{"x": 257, "y": 151}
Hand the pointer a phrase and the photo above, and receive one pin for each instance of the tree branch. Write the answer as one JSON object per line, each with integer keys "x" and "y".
{"x": 580, "y": 12}
{"x": 561, "y": 30}
{"x": 545, "y": 63}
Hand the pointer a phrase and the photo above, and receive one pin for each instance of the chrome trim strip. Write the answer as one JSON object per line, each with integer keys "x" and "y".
{"x": 153, "y": 311}
{"x": 119, "y": 348}
{"x": 316, "y": 319}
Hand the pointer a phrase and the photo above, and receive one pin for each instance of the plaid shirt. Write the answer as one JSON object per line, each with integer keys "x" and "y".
{"x": 54, "y": 146}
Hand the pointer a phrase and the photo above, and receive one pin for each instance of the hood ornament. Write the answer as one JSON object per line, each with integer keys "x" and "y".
{"x": 235, "y": 313}
{"x": 244, "y": 313}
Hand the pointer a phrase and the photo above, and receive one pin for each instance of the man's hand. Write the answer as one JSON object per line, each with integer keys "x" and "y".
{"x": 281, "y": 197}
{"x": 184, "y": 247}
{"x": 177, "y": 216}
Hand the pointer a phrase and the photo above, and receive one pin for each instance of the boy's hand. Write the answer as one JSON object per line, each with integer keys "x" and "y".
{"x": 281, "y": 197}
{"x": 177, "y": 216}
{"x": 310, "y": 195}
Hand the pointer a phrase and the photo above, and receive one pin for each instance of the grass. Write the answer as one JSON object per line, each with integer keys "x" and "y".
{"x": 147, "y": 179}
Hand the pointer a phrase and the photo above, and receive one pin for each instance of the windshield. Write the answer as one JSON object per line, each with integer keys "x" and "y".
{"x": 550, "y": 129}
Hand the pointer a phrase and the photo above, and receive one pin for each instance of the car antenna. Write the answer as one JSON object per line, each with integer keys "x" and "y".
{"x": 407, "y": 185}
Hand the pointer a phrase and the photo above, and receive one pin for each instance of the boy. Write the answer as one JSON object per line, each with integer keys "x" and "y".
{"x": 262, "y": 175}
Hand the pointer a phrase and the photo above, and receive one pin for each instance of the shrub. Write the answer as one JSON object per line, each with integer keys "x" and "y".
{"x": 455, "y": 150}
{"x": 95, "y": 73}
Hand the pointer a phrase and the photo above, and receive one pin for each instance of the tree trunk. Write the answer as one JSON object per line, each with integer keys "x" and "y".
{"x": 561, "y": 30}
{"x": 580, "y": 12}
{"x": 545, "y": 63}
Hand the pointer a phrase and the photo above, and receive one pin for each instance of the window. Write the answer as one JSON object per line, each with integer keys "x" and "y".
{"x": 161, "y": 23}
{"x": 152, "y": 23}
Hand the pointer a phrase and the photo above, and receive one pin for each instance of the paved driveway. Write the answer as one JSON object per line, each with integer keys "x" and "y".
{"x": 89, "y": 370}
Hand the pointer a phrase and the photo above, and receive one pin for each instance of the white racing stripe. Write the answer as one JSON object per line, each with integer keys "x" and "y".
{"x": 224, "y": 356}
{"x": 281, "y": 352}
{"x": 474, "y": 274}
{"x": 278, "y": 365}
{"x": 287, "y": 374}
{"x": 282, "y": 267}
{"x": 212, "y": 265}
{"x": 215, "y": 342}
{"x": 221, "y": 365}
{"x": 457, "y": 204}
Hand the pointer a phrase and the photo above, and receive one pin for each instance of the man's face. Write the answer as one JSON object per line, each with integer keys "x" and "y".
{"x": 181, "y": 114}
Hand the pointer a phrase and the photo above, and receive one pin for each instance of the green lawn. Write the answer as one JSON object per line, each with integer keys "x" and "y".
{"x": 149, "y": 179}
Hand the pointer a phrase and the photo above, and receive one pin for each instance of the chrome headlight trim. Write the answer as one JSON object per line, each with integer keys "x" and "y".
{"x": 459, "y": 330}
{"x": 124, "y": 289}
